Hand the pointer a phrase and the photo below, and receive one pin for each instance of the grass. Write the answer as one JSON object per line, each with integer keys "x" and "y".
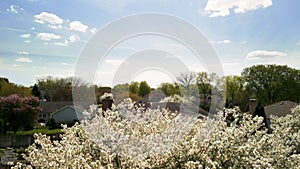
{"x": 2, "y": 151}
{"x": 40, "y": 130}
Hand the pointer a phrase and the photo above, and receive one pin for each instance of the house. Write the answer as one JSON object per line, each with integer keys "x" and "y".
{"x": 50, "y": 107}
{"x": 68, "y": 114}
{"x": 280, "y": 109}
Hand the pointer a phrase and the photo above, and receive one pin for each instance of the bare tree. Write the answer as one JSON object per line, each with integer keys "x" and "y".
{"x": 186, "y": 79}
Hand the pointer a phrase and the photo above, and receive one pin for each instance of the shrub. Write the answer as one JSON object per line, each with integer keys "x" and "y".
{"x": 52, "y": 124}
{"x": 108, "y": 142}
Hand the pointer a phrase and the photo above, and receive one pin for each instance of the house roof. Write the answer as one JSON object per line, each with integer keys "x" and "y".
{"x": 280, "y": 109}
{"x": 72, "y": 107}
{"x": 51, "y": 107}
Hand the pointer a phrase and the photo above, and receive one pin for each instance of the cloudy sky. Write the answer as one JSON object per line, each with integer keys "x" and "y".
{"x": 47, "y": 37}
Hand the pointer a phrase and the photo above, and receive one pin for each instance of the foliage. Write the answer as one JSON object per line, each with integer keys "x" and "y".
{"x": 35, "y": 91}
{"x": 144, "y": 89}
{"x": 273, "y": 83}
{"x": 120, "y": 92}
{"x": 209, "y": 144}
{"x": 204, "y": 82}
{"x": 291, "y": 124}
{"x": 3, "y": 81}
{"x": 38, "y": 130}
{"x": 170, "y": 89}
{"x": 186, "y": 101}
{"x": 2, "y": 127}
{"x": 211, "y": 91}
{"x": 7, "y": 89}
{"x": 134, "y": 87}
{"x": 234, "y": 85}
{"x": 52, "y": 124}
{"x": 19, "y": 111}
{"x": 55, "y": 89}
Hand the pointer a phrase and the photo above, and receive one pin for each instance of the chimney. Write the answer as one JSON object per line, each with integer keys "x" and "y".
{"x": 252, "y": 105}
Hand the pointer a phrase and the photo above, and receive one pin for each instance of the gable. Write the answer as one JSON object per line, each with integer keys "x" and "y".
{"x": 68, "y": 114}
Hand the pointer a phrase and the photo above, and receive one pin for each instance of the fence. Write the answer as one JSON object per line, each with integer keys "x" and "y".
{"x": 19, "y": 140}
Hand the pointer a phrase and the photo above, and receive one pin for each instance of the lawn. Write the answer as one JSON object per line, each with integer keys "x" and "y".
{"x": 2, "y": 151}
{"x": 40, "y": 130}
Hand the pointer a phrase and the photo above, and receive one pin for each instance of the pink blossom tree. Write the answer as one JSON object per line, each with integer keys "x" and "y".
{"x": 18, "y": 112}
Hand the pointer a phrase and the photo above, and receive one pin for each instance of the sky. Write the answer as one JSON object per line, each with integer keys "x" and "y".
{"x": 48, "y": 37}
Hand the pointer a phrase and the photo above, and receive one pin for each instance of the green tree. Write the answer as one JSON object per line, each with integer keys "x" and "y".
{"x": 234, "y": 87}
{"x": 59, "y": 89}
{"x": 120, "y": 92}
{"x": 35, "y": 91}
{"x": 272, "y": 83}
{"x": 2, "y": 127}
{"x": 144, "y": 89}
{"x": 170, "y": 89}
{"x": 134, "y": 87}
{"x": 211, "y": 88}
{"x": 52, "y": 124}
{"x": 204, "y": 82}
{"x": 3, "y": 81}
{"x": 18, "y": 112}
{"x": 11, "y": 88}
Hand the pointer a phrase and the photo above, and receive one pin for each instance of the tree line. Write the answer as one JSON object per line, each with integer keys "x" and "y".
{"x": 19, "y": 105}
{"x": 266, "y": 83}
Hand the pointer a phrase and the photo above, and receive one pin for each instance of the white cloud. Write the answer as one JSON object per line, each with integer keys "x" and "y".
{"x": 27, "y": 41}
{"x": 264, "y": 54}
{"x": 243, "y": 42}
{"x": 65, "y": 43}
{"x": 217, "y": 8}
{"x": 14, "y": 9}
{"x": 25, "y": 35}
{"x": 47, "y": 36}
{"x": 222, "y": 41}
{"x": 74, "y": 38}
{"x": 46, "y": 17}
{"x": 93, "y": 30}
{"x": 23, "y": 53}
{"x": 24, "y": 59}
{"x": 77, "y": 26}
{"x": 65, "y": 64}
{"x": 15, "y": 65}
{"x": 55, "y": 26}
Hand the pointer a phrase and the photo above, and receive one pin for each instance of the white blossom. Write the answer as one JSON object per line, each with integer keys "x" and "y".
{"x": 132, "y": 137}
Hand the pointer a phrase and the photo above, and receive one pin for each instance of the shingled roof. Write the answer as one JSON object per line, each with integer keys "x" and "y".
{"x": 51, "y": 107}
{"x": 280, "y": 109}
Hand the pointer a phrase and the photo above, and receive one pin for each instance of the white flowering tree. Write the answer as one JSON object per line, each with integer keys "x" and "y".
{"x": 130, "y": 137}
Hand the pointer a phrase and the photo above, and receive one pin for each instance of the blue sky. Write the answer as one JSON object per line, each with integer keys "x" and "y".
{"x": 46, "y": 37}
